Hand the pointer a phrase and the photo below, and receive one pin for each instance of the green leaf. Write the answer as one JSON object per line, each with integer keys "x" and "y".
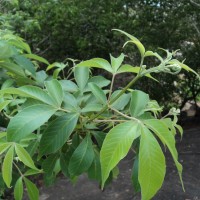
{"x": 57, "y": 133}
{"x": 98, "y": 93}
{"x": 28, "y": 120}
{"x": 128, "y": 68}
{"x": 97, "y": 63}
{"x": 24, "y": 156}
{"x": 100, "y": 81}
{"x": 24, "y": 63}
{"x": 36, "y": 57}
{"x": 134, "y": 40}
{"x": 32, "y": 190}
{"x": 7, "y": 50}
{"x": 7, "y": 166}
{"x": 4, "y": 104}
{"x": 82, "y": 157}
{"x": 121, "y": 102}
{"x": 161, "y": 130}
{"x": 81, "y": 75}
{"x": 64, "y": 163}
{"x": 13, "y": 68}
{"x": 152, "y": 165}
{"x": 55, "y": 91}
{"x": 31, "y": 172}
{"x": 116, "y": 146}
{"x": 94, "y": 172}
{"x": 116, "y": 62}
{"x": 139, "y": 101}
{"x": 18, "y": 190}
{"x": 68, "y": 86}
{"x": 134, "y": 176}
{"x": 92, "y": 107}
{"x": 49, "y": 164}
{"x": 4, "y": 147}
{"x": 99, "y": 136}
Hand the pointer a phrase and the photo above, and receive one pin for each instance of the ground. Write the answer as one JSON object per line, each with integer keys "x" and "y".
{"x": 121, "y": 189}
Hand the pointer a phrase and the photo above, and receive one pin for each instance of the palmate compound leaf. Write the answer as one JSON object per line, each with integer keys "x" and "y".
{"x": 152, "y": 166}
{"x": 82, "y": 157}
{"x": 28, "y": 120}
{"x": 57, "y": 133}
{"x": 167, "y": 138}
{"x": 116, "y": 146}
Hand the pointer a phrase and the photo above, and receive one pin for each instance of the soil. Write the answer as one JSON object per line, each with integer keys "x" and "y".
{"x": 121, "y": 188}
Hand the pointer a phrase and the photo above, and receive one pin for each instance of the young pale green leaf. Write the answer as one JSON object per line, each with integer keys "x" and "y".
{"x": 37, "y": 58}
{"x": 152, "y": 165}
{"x": 82, "y": 157}
{"x": 7, "y": 166}
{"x": 33, "y": 192}
{"x": 4, "y": 147}
{"x": 134, "y": 176}
{"x": 57, "y": 133}
{"x": 24, "y": 156}
{"x": 4, "y": 104}
{"x": 128, "y": 68}
{"x": 28, "y": 120}
{"x": 161, "y": 130}
{"x": 151, "y": 53}
{"x": 98, "y": 93}
{"x": 139, "y": 101}
{"x": 49, "y": 164}
{"x": 97, "y": 63}
{"x": 116, "y": 146}
{"x": 81, "y": 75}
{"x": 18, "y": 189}
{"x": 24, "y": 63}
{"x": 31, "y": 172}
{"x": 135, "y": 41}
{"x": 54, "y": 89}
{"x": 116, "y": 62}
{"x": 183, "y": 66}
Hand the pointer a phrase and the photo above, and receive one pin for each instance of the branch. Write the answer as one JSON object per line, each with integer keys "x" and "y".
{"x": 194, "y": 3}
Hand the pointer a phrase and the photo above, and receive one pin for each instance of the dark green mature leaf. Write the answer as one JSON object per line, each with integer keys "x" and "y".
{"x": 18, "y": 189}
{"x": 98, "y": 93}
{"x": 82, "y": 157}
{"x": 57, "y": 133}
{"x": 55, "y": 91}
{"x": 64, "y": 163}
{"x": 7, "y": 166}
{"x": 99, "y": 136}
{"x": 32, "y": 190}
{"x": 134, "y": 176}
{"x": 139, "y": 101}
{"x": 28, "y": 120}
{"x": 152, "y": 165}
{"x": 94, "y": 172}
{"x": 116, "y": 146}
{"x": 49, "y": 164}
{"x": 161, "y": 130}
{"x": 24, "y": 156}
{"x": 81, "y": 75}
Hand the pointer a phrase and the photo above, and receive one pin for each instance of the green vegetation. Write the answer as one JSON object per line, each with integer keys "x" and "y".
{"x": 79, "y": 124}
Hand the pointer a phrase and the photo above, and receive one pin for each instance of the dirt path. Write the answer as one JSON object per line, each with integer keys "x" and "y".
{"x": 121, "y": 189}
